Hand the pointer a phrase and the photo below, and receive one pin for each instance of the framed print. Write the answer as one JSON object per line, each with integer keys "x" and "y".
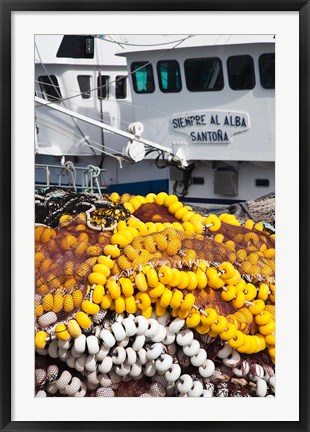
{"x": 154, "y": 194}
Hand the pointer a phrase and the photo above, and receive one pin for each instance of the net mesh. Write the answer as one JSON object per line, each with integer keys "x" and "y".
{"x": 64, "y": 257}
{"x": 152, "y": 212}
{"x": 71, "y": 234}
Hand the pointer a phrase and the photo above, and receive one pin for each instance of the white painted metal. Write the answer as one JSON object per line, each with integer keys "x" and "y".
{"x": 251, "y": 153}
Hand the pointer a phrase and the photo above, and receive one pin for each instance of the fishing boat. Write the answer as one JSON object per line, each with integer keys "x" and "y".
{"x": 192, "y": 115}
{"x": 138, "y": 294}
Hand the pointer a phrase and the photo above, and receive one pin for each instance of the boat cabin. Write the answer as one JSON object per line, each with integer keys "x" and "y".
{"x": 211, "y": 99}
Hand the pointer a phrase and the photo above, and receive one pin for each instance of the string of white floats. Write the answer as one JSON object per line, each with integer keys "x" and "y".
{"x": 133, "y": 347}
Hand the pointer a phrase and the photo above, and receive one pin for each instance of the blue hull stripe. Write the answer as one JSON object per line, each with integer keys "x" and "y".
{"x": 136, "y": 188}
{"x": 140, "y": 188}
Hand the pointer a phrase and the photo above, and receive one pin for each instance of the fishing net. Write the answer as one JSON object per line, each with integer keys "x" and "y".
{"x": 103, "y": 259}
{"x": 64, "y": 257}
{"x": 152, "y": 212}
{"x": 52, "y": 203}
{"x": 262, "y": 208}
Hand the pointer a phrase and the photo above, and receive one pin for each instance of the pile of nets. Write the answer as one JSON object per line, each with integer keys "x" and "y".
{"x": 260, "y": 209}
{"x": 145, "y": 297}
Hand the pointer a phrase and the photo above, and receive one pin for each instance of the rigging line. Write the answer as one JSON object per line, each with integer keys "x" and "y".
{"x": 77, "y": 92}
{"x": 141, "y": 107}
{"x": 101, "y": 119}
{"x": 123, "y": 124}
{"x": 123, "y": 101}
{"x": 70, "y": 134}
{"x": 98, "y": 118}
{"x": 142, "y": 45}
{"x": 57, "y": 90}
{"x": 119, "y": 158}
{"x": 114, "y": 41}
{"x": 116, "y": 101}
{"x": 67, "y": 88}
{"x": 93, "y": 147}
{"x": 93, "y": 89}
{"x": 46, "y": 122}
{"x": 130, "y": 74}
{"x": 75, "y": 137}
{"x": 79, "y": 105}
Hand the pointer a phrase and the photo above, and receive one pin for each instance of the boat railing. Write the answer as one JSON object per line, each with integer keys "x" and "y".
{"x": 67, "y": 177}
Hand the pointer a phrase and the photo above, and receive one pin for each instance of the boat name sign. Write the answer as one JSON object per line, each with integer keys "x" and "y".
{"x": 211, "y": 127}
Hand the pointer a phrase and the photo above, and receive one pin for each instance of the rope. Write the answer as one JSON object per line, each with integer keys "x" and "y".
{"x": 70, "y": 170}
{"x": 73, "y": 136}
{"x": 52, "y": 202}
{"x": 141, "y": 45}
{"x": 94, "y": 172}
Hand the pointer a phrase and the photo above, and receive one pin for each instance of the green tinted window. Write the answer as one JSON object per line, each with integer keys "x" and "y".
{"x": 142, "y": 77}
{"x": 169, "y": 76}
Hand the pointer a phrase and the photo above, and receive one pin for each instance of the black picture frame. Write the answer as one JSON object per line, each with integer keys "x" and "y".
{"x": 7, "y": 7}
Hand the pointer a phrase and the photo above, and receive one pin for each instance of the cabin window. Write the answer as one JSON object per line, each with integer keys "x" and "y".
{"x": 76, "y": 46}
{"x": 262, "y": 182}
{"x": 84, "y": 84}
{"x": 103, "y": 83}
{"x": 267, "y": 71}
{"x": 169, "y": 76}
{"x": 241, "y": 72}
{"x": 121, "y": 87}
{"x": 142, "y": 77}
{"x": 204, "y": 74}
{"x": 49, "y": 87}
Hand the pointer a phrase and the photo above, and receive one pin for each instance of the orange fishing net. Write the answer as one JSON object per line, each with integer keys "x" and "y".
{"x": 64, "y": 257}
{"x": 158, "y": 259}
